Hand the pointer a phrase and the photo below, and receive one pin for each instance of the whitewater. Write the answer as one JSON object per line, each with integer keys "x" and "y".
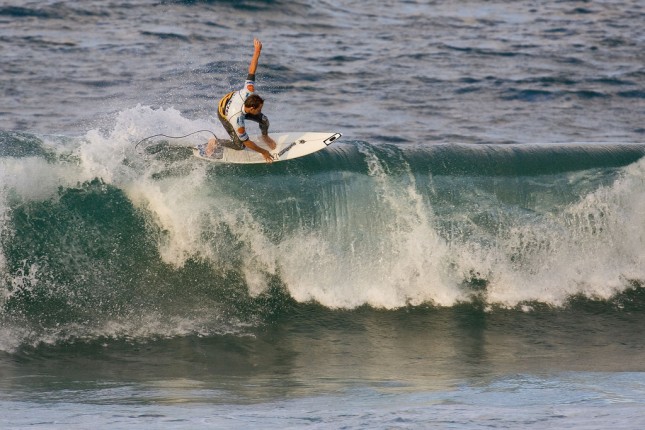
{"x": 382, "y": 226}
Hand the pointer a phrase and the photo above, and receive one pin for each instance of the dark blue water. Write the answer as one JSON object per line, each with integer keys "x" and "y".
{"x": 469, "y": 255}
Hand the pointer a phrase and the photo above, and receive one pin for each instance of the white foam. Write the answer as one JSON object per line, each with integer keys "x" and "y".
{"x": 590, "y": 247}
{"x": 380, "y": 245}
{"x": 179, "y": 204}
{"x": 103, "y": 153}
{"x": 381, "y": 248}
{"x": 377, "y": 241}
{"x": 384, "y": 250}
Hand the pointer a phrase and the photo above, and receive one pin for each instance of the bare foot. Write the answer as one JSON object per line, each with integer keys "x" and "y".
{"x": 269, "y": 141}
{"x": 212, "y": 145}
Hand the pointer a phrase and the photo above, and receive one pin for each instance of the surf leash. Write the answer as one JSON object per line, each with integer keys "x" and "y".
{"x": 172, "y": 137}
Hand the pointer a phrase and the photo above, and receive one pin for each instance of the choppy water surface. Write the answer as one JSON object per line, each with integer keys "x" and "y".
{"x": 469, "y": 255}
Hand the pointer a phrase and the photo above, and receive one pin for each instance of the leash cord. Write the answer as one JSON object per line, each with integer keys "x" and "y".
{"x": 172, "y": 137}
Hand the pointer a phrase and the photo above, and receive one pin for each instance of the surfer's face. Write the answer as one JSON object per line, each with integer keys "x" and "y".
{"x": 254, "y": 110}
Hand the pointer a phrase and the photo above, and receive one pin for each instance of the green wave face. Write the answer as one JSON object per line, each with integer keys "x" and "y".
{"x": 104, "y": 242}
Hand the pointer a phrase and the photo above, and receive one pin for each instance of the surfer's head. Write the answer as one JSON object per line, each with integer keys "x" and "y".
{"x": 253, "y": 104}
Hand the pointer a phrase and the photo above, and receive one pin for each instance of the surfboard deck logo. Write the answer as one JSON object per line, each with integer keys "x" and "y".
{"x": 288, "y": 146}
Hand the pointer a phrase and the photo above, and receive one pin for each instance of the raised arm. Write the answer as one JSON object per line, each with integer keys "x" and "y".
{"x": 256, "y": 56}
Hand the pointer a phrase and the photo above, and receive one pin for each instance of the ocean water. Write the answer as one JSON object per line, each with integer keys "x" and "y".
{"x": 471, "y": 254}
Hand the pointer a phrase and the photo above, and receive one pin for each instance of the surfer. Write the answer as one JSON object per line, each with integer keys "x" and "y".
{"x": 238, "y": 106}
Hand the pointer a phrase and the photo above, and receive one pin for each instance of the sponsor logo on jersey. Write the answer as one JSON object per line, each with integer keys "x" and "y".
{"x": 241, "y": 130}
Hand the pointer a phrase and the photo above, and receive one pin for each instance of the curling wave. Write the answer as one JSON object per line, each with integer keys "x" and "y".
{"x": 99, "y": 239}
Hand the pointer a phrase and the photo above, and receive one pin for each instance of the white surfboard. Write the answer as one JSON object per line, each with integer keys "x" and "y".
{"x": 288, "y": 146}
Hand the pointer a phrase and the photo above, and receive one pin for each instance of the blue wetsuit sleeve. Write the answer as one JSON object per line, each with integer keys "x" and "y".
{"x": 240, "y": 128}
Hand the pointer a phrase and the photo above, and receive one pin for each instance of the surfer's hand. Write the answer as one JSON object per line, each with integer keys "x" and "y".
{"x": 267, "y": 156}
{"x": 257, "y": 45}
